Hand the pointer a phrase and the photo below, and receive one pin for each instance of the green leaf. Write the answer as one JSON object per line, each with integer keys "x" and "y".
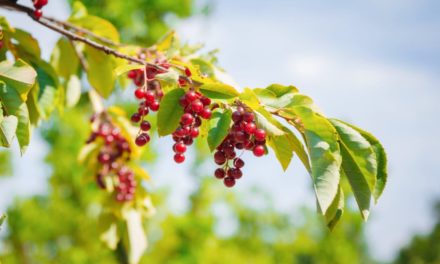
{"x": 2, "y": 219}
{"x": 109, "y": 230}
{"x": 100, "y": 73}
{"x": 78, "y": 10}
{"x": 27, "y": 46}
{"x": 218, "y": 91}
{"x": 381, "y": 174}
{"x": 265, "y": 120}
{"x": 48, "y": 93}
{"x": 99, "y": 26}
{"x": 322, "y": 143}
{"x": 8, "y": 127}
{"x": 360, "y": 150}
{"x": 168, "y": 78}
{"x": 19, "y": 75}
{"x": 336, "y": 209}
{"x": 64, "y": 59}
{"x": 298, "y": 148}
{"x": 250, "y": 98}
{"x": 170, "y": 111}
{"x": 122, "y": 69}
{"x": 137, "y": 239}
{"x": 220, "y": 124}
{"x": 282, "y": 148}
{"x": 13, "y": 105}
{"x": 280, "y": 90}
{"x": 73, "y": 91}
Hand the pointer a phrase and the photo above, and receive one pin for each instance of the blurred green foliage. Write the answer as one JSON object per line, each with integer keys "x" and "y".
{"x": 423, "y": 248}
{"x": 5, "y": 163}
{"x": 143, "y": 21}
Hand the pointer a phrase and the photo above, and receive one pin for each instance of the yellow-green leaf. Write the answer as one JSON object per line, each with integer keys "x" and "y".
{"x": 170, "y": 112}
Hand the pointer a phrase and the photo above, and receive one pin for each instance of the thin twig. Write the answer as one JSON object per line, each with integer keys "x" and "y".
{"x": 80, "y": 56}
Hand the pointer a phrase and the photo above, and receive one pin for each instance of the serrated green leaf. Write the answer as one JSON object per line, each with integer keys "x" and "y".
{"x": 122, "y": 69}
{"x": 100, "y": 72}
{"x": 218, "y": 91}
{"x": 220, "y": 124}
{"x": 13, "y": 105}
{"x": 282, "y": 148}
{"x": 19, "y": 75}
{"x": 73, "y": 91}
{"x": 280, "y": 90}
{"x": 64, "y": 59}
{"x": 325, "y": 157}
{"x": 381, "y": 174}
{"x": 360, "y": 150}
{"x": 336, "y": 209}
{"x": 170, "y": 111}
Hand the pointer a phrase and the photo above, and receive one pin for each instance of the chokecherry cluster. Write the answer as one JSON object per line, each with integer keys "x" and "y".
{"x": 243, "y": 135}
{"x": 112, "y": 157}
{"x": 196, "y": 106}
{"x": 149, "y": 92}
{"x": 39, "y": 4}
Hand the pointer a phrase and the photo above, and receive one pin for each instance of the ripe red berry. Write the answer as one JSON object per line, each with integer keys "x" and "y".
{"x": 205, "y": 100}
{"x": 179, "y": 158}
{"x": 149, "y": 97}
{"x": 139, "y": 93}
{"x": 260, "y": 134}
{"x": 145, "y": 125}
{"x": 236, "y": 173}
{"x": 219, "y": 158}
{"x": 250, "y": 128}
{"x": 104, "y": 158}
{"x": 197, "y": 106}
{"x": 190, "y": 96}
{"x": 143, "y": 110}
{"x": 206, "y": 113}
{"x": 40, "y": 3}
{"x": 188, "y": 72}
{"x": 132, "y": 74}
{"x": 236, "y": 116}
{"x": 155, "y": 106}
{"x": 219, "y": 173}
{"x": 187, "y": 119}
{"x": 238, "y": 163}
{"x": 194, "y": 132}
{"x": 38, "y": 13}
{"x": 179, "y": 147}
{"x": 136, "y": 117}
{"x": 229, "y": 182}
{"x": 142, "y": 139}
{"x": 258, "y": 150}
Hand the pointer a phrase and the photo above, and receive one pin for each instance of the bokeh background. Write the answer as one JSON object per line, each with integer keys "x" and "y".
{"x": 374, "y": 63}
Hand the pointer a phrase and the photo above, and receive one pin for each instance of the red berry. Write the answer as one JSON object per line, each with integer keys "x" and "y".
{"x": 258, "y": 150}
{"x": 229, "y": 182}
{"x": 197, "y": 106}
{"x": 149, "y": 97}
{"x": 136, "y": 117}
{"x": 143, "y": 110}
{"x": 188, "y": 72}
{"x": 183, "y": 102}
{"x": 240, "y": 136}
{"x": 194, "y": 132}
{"x": 260, "y": 134}
{"x": 188, "y": 141}
{"x": 236, "y": 116}
{"x": 142, "y": 139}
{"x": 139, "y": 93}
{"x": 219, "y": 158}
{"x": 155, "y": 106}
{"x": 187, "y": 119}
{"x": 205, "y": 100}
{"x": 236, "y": 173}
{"x": 179, "y": 158}
{"x": 206, "y": 113}
{"x": 238, "y": 163}
{"x": 182, "y": 82}
{"x": 132, "y": 74}
{"x": 179, "y": 147}
{"x": 145, "y": 125}
{"x": 38, "y": 13}
{"x": 190, "y": 96}
{"x": 248, "y": 117}
{"x": 40, "y": 3}
{"x": 104, "y": 158}
{"x": 219, "y": 173}
{"x": 250, "y": 128}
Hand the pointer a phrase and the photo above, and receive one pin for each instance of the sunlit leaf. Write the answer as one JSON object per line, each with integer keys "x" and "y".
{"x": 336, "y": 209}
{"x": 73, "y": 91}
{"x": 218, "y": 91}
{"x": 170, "y": 111}
{"x": 64, "y": 59}
{"x": 19, "y": 75}
{"x": 100, "y": 72}
{"x": 220, "y": 124}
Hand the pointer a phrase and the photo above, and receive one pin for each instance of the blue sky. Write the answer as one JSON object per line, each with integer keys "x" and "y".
{"x": 374, "y": 63}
